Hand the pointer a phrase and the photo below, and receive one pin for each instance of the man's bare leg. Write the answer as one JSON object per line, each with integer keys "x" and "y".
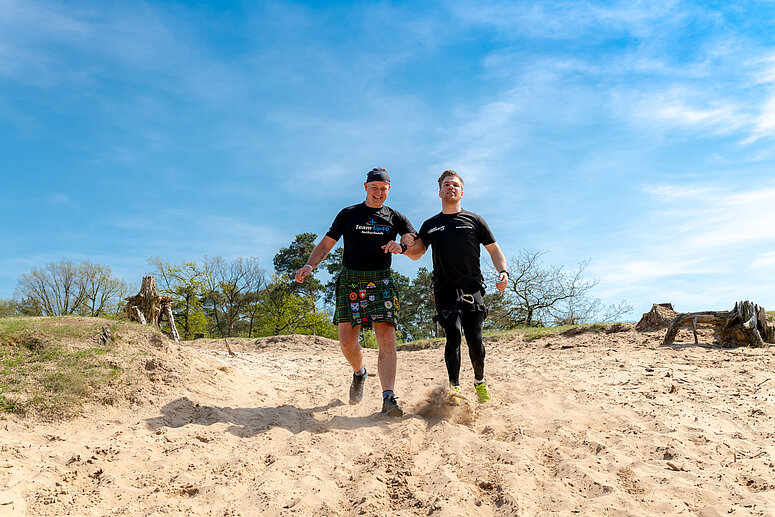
{"x": 351, "y": 348}
{"x": 386, "y": 361}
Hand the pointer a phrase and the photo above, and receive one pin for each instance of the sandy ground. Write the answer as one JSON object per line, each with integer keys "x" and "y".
{"x": 593, "y": 424}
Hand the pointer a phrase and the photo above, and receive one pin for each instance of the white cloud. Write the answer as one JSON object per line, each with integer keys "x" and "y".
{"x": 714, "y": 239}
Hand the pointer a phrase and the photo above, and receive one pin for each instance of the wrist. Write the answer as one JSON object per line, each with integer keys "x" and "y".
{"x": 505, "y": 271}
{"x": 403, "y": 247}
{"x": 307, "y": 265}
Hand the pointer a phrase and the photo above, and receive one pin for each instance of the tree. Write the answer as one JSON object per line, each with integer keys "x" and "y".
{"x": 63, "y": 288}
{"x": 8, "y": 308}
{"x": 539, "y": 294}
{"x": 290, "y": 259}
{"x": 227, "y": 286}
{"x": 54, "y": 287}
{"x": 417, "y": 306}
{"x": 101, "y": 291}
{"x": 284, "y": 311}
{"x": 334, "y": 266}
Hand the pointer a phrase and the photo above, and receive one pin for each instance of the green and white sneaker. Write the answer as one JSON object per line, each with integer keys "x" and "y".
{"x": 455, "y": 397}
{"x": 483, "y": 392}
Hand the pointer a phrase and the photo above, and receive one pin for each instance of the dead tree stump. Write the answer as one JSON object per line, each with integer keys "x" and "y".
{"x": 149, "y": 307}
{"x": 659, "y": 317}
{"x": 745, "y": 325}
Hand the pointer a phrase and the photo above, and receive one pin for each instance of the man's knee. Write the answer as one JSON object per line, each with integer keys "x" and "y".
{"x": 348, "y": 334}
{"x": 385, "y": 333}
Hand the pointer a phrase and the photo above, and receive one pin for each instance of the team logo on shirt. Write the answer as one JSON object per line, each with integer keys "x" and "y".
{"x": 353, "y": 296}
{"x": 437, "y": 229}
{"x": 373, "y": 227}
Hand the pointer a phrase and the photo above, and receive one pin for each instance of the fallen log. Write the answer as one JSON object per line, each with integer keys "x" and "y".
{"x": 745, "y": 325}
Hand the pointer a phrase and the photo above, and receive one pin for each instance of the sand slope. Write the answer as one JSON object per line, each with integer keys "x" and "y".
{"x": 593, "y": 424}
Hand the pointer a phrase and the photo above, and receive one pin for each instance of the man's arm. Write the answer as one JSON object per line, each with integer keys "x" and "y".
{"x": 499, "y": 261}
{"x": 316, "y": 257}
{"x": 416, "y": 250}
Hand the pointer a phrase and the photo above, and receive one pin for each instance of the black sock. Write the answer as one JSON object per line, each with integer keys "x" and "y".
{"x": 387, "y": 393}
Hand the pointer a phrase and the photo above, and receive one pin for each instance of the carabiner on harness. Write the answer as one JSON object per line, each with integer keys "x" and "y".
{"x": 467, "y": 298}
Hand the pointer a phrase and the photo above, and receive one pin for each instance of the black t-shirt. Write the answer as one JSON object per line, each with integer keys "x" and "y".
{"x": 455, "y": 240}
{"x": 365, "y": 230}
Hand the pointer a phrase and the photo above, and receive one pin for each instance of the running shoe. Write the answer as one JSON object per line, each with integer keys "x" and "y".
{"x": 391, "y": 408}
{"x": 356, "y": 387}
{"x": 454, "y": 398}
{"x": 483, "y": 392}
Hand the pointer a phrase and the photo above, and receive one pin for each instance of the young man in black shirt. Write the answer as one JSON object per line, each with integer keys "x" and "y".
{"x": 458, "y": 285}
{"x": 365, "y": 294}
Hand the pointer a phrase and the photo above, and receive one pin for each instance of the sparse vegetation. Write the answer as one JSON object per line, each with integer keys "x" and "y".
{"x": 51, "y": 366}
{"x": 528, "y": 333}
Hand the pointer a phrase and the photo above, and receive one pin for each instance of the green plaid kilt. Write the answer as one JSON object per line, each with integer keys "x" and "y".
{"x": 366, "y": 297}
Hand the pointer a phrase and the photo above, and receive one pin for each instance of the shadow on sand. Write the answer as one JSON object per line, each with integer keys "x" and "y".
{"x": 246, "y": 422}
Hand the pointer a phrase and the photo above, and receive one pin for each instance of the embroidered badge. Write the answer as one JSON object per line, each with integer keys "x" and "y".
{"x": 388, "y": 305}
{"x": 353, "y": 296}
{"x": 386, "y": 281}
{"x": 372, "y": 297}
{"x": 370, "y": 285}
{"x": 363, "y": 294}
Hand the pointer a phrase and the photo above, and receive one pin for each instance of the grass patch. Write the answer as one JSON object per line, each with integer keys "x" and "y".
{"x": 51, "y": 366}
{"x": 526, "y": 333}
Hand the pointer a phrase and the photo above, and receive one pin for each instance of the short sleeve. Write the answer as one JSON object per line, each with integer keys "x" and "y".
{"x": 424, "y": 233}
{"x": 484, "y": 233}
{"x": 337, "y": 227}
{"x": 405, "y": 225}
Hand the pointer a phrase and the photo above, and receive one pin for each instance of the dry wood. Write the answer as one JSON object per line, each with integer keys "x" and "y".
{"x": 746, "y": 324}
{"x": 231, "y": 353}
{"x": 657, "y": 318}
{"x": 148, "y": 307}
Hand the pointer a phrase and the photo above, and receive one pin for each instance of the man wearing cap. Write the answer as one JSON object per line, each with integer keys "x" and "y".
{"x": 365, "y": 293}
{"x": 458, "y": 285}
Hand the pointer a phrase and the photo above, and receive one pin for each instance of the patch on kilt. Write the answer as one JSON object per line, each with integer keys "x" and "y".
{"x": 359, "y": 301}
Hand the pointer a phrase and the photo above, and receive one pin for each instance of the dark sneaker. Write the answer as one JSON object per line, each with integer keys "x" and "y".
{"x": 391, "y": 408}
{"x": 356, "y": 387}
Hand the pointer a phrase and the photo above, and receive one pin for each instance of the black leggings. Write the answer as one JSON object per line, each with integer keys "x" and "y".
{"x": 460, "y": 319}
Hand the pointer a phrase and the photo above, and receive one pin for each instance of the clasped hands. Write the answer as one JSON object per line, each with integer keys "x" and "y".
{"x": 395, "y": 247}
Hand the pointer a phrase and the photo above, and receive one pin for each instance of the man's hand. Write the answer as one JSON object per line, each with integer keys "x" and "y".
{"x": 408, "y": 239}
{"x": 303, "y": 272}
{"x": 503, "y": 280}
{"x": 393, "y": 247}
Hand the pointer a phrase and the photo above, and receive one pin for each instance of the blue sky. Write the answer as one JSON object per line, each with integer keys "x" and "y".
{"x": 638, "y": 135}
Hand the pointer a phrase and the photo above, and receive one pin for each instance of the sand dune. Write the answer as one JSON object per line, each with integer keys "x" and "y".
{"x": 592, "y": 424}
